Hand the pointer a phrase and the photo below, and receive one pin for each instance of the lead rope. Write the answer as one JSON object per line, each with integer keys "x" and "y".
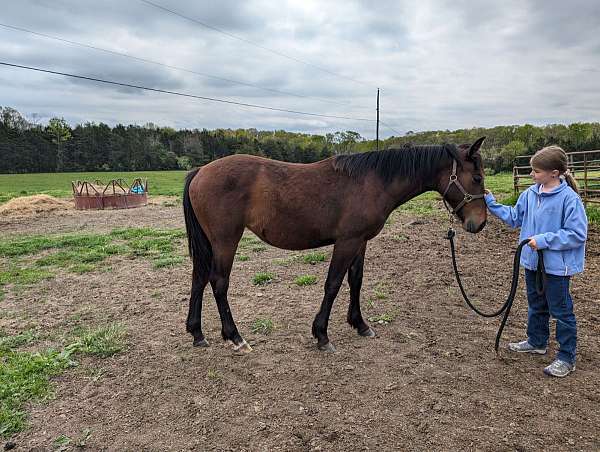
{"x": 505, "y": 308}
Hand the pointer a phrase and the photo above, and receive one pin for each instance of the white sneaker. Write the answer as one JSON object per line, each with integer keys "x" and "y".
{"x": 559, "y": 368}
{"x": 525, "y": 347}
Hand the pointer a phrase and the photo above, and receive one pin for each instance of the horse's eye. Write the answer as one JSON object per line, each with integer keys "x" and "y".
{"x": 477, "y": 179}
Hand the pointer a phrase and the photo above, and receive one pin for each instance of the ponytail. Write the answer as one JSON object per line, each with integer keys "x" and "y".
{"x": 569, "y": 179}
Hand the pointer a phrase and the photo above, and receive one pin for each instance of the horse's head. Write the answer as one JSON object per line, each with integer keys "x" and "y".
{"x": 461, "y": 186}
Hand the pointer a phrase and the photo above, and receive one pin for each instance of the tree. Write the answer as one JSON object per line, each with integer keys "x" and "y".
{"x": 61, "y": 133}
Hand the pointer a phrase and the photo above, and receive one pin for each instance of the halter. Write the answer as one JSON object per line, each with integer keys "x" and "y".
{"x": 468, "y": 197}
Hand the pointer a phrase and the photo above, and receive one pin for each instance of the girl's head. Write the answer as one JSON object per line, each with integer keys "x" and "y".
{"x": 549, "y": 164}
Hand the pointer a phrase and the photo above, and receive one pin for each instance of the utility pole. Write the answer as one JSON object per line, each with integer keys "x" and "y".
{"x": 377, "y": 134}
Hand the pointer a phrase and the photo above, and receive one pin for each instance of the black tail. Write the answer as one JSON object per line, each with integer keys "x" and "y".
{"x": 198, "y": 244}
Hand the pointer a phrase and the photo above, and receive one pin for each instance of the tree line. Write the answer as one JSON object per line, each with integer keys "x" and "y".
{"x": 28, "y": 147}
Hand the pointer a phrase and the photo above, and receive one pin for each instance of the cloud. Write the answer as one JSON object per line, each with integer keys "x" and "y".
{"x": 441, "y": 65}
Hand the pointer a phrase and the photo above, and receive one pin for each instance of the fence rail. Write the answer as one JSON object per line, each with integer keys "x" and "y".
{"x": 583, "y": 165}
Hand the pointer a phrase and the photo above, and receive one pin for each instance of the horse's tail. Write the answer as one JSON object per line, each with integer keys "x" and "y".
{"x": 198, "y": 244}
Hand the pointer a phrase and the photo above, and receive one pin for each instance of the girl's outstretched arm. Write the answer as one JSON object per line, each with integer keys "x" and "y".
{"x": 512, "y": 216}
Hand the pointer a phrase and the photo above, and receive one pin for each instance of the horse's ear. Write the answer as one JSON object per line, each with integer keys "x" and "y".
{"x": 475, "y": 147}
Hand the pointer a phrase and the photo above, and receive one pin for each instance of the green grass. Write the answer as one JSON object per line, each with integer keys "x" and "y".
{"x": 593, "y": 214}
{"x": 26, "y": 376}
{"x": 305, "y": 280}
{"x": 169, "y": 183}
{"x": 313, "y": 258}
{"x": 82, "y": 253}
{"x": 262, "y": 326}
{"x": 382, "y": 319}
{"x": 104, "y": 341}
{"x": 261, "y": 279}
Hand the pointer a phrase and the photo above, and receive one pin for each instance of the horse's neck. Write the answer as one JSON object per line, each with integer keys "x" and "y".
{"x": 402, "y": 191}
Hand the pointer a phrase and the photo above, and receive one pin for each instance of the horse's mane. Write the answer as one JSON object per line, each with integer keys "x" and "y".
{"x": 408, "y": 161}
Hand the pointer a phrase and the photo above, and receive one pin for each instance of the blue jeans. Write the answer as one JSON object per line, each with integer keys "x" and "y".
{"x": 555, "y": 302}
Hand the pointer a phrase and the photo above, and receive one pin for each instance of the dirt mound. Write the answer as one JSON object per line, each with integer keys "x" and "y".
{"x": 31, "y": 205}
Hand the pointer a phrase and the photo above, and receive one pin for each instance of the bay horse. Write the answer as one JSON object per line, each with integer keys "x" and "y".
{"x": 342, "y": 201}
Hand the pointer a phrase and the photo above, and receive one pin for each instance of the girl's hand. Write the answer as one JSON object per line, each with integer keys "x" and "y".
{"x": 487, "y": 192}
{"x": 532, "y": 243}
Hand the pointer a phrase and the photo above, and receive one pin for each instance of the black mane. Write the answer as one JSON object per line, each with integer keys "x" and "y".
{"x": 408, "y": 161}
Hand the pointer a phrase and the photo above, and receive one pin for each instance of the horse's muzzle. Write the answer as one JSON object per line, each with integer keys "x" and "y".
{"x": 472, "y": 227}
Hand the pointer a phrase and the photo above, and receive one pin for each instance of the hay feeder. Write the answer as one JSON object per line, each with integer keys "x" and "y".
{"x": 116, "y": 194}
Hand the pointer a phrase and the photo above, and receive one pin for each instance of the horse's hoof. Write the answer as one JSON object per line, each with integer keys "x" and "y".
{"x": 200, "y": 343}
{"x": 327, "y": 348}
{"x": 369, "y": 332}
{"x": 242, "y": 348}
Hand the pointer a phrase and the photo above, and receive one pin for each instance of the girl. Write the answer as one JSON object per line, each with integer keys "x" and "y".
{"x": 551, "y": 214}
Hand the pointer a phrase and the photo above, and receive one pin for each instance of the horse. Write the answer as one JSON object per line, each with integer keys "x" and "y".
{"x": 342, "y": 201}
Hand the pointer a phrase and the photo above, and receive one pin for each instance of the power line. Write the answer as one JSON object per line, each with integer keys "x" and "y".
{"x": 390, "y": 127}
{"x": 175, "y": 93}
{"x": 133, "y": 57}
{"x": 255, "y": 44}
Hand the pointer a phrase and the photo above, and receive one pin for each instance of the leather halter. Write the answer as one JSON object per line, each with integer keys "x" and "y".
{"x": 468, "y": 197}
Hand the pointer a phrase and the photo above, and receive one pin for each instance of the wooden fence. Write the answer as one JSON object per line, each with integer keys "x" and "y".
{"x": 584, "y": 166}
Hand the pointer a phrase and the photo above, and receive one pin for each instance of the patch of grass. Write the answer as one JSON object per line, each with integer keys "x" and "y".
{"x": 11, "y": 342}
{"x": 399, "y": 238}
{"x": 23, "y": 276}
{"x": 284, "y": 262}
{"x": 382, "y": 319}
{"x": 262, "y": 326}
{"x": 313, "y": 258}
{"x": 82, "y": 268}
{"x": 214, "y": 375}
{"x": 24, "y": 377}
{"x": 61, "y": 442}
{"x": 103, "y": 341}
{"x": 81, "y": 253}
{"x": 380, "y": 291}
{"x": 167, "y": 261}
{"x": 243, "y": 258}
{"x": 593, "y": 214}
{"x": 262, "y": 278}
{"x": 305, "y": 280}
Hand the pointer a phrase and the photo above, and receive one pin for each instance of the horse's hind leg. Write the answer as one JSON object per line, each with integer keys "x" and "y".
{"x": 223, "y": 255}
{"x": 194, "y": 319}
{"x": 344, "y": 253}
{"x": 355, "y": 276}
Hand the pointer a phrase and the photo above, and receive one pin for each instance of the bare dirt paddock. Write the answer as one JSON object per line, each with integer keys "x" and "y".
{"x": 429, "y": 381}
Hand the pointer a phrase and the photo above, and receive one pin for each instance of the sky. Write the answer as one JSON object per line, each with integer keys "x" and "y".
{"x": 439, "y": 64}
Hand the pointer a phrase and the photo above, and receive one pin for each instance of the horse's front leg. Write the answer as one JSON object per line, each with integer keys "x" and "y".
{"x": 355, "y": 277}
{"x": 344, "y": 253}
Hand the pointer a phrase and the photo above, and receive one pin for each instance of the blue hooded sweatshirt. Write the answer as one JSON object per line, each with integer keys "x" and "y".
{"x": 557, "y": 222}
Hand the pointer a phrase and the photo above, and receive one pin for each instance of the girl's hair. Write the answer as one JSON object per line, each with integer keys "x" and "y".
{"x": 553, "y": 158}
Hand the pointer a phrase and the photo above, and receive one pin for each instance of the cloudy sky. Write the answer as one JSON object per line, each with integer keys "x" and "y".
{"x": 439, "y": 64}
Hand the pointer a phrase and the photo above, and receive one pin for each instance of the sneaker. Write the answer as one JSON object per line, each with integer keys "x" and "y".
{"x": 525, "y": 347}
{"x": 559, "y": 368}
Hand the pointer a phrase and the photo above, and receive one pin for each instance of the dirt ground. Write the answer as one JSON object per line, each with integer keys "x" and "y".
{"x": 429, "y": 381}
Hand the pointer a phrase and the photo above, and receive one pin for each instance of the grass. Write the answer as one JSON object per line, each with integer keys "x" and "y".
{"x": 104, "y": 341}
{"x": 262, "y": 278}
{"x": 214, "y": 375}
{"x": 382, "y": 319}
{"x": 168, "y": 183}
{"x": 82, "y": 253}
{"x": 313, "y": 258}
{"x": 380, "y": 291}
{"x": 262, "y": 326}
{"x": 25, "y": 376}
{"x": 305, "y": 280}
